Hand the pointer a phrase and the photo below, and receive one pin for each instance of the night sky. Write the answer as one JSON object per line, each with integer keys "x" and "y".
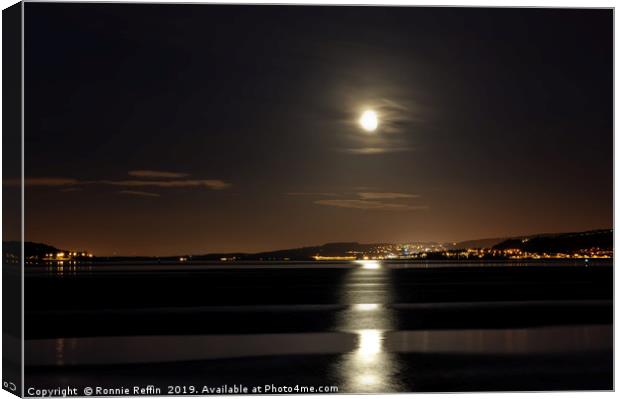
{"x": 172, "y": 129}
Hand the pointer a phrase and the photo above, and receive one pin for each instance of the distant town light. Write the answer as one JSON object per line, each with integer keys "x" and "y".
{"x": 319, "y": 257}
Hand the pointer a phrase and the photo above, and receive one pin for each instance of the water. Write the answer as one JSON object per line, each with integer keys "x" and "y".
{"x": 364, "y": 327}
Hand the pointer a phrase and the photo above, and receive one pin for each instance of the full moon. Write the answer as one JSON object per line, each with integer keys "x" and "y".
{"x": 369, "y": 121}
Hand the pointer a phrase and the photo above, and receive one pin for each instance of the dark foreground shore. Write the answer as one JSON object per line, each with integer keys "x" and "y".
{"x": 363, "y": 327}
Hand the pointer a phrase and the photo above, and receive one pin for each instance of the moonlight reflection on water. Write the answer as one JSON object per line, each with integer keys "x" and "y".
{"x": 369, "y": 367}
{"x": 369, "y": 264}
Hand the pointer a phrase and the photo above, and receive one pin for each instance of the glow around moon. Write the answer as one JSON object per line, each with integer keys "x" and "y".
{"x": 369, "y": 121}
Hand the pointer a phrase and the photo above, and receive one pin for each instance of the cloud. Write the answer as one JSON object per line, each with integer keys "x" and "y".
{"x": 212, "y": 184}
{"x": 139, "y": 193}
{"x": 313, "y": 194}
{"x": 43, "y": 181}
{"x": 400, "y": 122}
{"x": 71, "y": 189}
{"x": 375, "y": 150}
{"x": 369, "y": 205}
{"x": 367, "y": 200}
{"x": 156, "y": 174}
{"x": 376, "y": 196}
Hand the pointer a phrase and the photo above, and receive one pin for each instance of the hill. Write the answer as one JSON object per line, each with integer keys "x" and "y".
{"x": 564, "y": 242}
{"x": 481, "y": 243}
{"x": 30, "y": 248}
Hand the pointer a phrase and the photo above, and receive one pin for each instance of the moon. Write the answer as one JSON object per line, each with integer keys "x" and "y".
{"x": 369, "y": 121}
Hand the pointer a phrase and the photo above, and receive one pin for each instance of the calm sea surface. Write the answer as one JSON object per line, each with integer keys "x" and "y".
{"x": 366, "y": 326}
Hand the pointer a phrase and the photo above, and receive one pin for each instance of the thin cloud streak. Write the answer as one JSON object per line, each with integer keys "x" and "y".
{"x": 156, "y": 174}
{"x": 384, "y": 195}
{"x": 367, "y": 200}
{"x": 375, "y": 150}
{"x": 71, "y": 189}
{"x": 43, "y": 182}
{"x": 139, "y": 193}
{"x": 312, "y": 194}
{"x": 212, "y": 184}
{"x": 370, "y": 205}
